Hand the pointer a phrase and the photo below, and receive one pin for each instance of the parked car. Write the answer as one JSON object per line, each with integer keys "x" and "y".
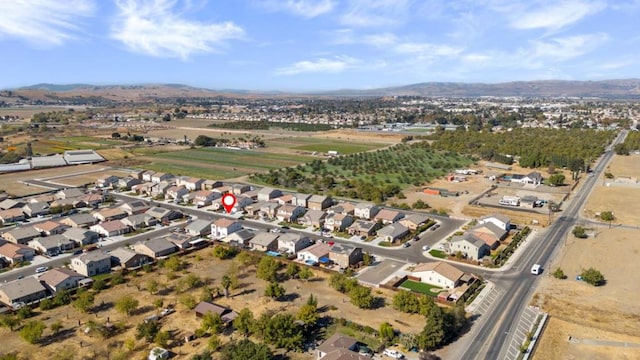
{"x": 393, "y": 354}
{"x": 435, "y": 227}
{"x": 41, "y": 269}
{"x": 166, "y": 311}
{"x": 425, "y": 248}
{"x": 406, "y": 245}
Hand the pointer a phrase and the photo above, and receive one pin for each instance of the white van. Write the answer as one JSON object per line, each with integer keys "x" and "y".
{"x": 535, "y": 269}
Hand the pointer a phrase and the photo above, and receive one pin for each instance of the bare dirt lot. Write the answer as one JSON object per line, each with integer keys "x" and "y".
{"x": 250, "y": 295}
{"x": 11, "y": 182}
{"x": 622, "y": 199}
{"x": 608, "y": 312}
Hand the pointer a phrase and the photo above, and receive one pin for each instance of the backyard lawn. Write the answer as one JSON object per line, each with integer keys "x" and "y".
{"x": 422, "y": 288}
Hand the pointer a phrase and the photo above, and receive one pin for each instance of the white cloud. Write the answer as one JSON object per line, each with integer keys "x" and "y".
{"x": 565, "y": 48}
{"x": 156, "y": 28}
{"x": 376, "y": 13}
{"x": 304, "y": 8}
{"x": 380, "y": 40}
{"x": 555, "y": 16}
{"x": 321, "y": 65}
{"x": 43, "y": 22}
{"x": 427, "y": 49}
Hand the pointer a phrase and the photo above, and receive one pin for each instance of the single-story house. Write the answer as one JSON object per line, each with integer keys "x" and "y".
{"x": 16, "y": 253}
{"x": 414, "y": 221}
{"x": 21, "y": 235}
{"x": 182, "y": 241}
{"x": 26, "y": 290}
{"x": 107, "y": 214}
{"x": 50, "y": 227}
{"x": 388, "y": 216}
{"x": 264, "y": 241}
{"x": 393, "y": 232}
{"x": 163, "y": 214}
{"x": 36, "y": 209}
{"x": 155, "y": 248}
{"x": 128, "y": 258}
{"x": 61, "y": 279}
{"x": 92, "y": 263}
{"x": 314, "y": 253}
{"x": 11, "y": 215}
{"x": 345, "y": 255}
{"x": 7, "y": 204}
{"x": 111, "y": 228}
{"x": 199, "y": 227}
{"x": 225, "y": 313}
{"x": 135, "y": 207}
{"x": 498, "y": 220}
{"x": 363, "y": 227}
{"x": 239, "y": 238}
{"x": 139, "y": 221}
{"x": 439, "y": 274}
{"x": 81, "y": 236}
{"x": 52, "y": 245}
{"x": 81, "y": 220}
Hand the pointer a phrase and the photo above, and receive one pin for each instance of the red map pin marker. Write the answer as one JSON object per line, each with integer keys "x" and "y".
{"x": 228, "y": 201}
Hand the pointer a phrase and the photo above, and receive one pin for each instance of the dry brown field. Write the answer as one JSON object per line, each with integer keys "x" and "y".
{"x": 12, "y": 181}
{"x": 607, "y": 312}
{"x": 621, "y": 199}
{"x": 206, "y": 267}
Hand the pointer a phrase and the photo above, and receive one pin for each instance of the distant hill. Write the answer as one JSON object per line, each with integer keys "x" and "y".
{"x": 623, "y": 88}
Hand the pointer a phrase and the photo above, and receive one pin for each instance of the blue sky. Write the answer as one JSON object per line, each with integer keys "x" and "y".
{"x": 316, "y": 44}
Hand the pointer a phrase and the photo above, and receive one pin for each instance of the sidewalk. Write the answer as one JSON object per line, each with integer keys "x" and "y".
{"x": 471, "y": 308}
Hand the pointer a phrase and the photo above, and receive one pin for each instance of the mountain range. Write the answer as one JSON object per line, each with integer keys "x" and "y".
{"x": 621, "y": 88}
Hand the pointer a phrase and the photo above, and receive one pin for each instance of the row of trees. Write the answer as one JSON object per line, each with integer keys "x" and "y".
{"x": 536, "y": 147}
{"x": 266, "y": 125}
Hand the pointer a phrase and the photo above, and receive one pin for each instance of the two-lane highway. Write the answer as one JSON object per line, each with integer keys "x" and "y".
{"x": 489, "y": 336}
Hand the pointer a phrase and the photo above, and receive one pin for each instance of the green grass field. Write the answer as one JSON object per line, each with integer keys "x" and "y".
{"x": 323, "y": 145}
{"x": 254, "y": 159}
{"x": 193, "y": 170}
{"x": 422, "y": 288}
{"x": 438, "y": 253}
{"x": 340, "y": 147}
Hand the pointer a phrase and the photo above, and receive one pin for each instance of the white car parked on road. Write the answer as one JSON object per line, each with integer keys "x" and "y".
{"x": 393, "y": 353}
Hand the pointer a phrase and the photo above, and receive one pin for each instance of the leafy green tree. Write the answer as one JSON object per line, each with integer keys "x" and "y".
{"x": 63, "y": 297}
{"x": 556, "y": 180}
{"x": 244, "y": 323}
{"x": 127, "y": 304}
{"x": 99, "y": 284}
{"x": 32, "y": 331}
{"x": 268, "y": 269}
{"x": 342, "y": 283}
{"x": 9, "y": 321}
{"x": 433, "y": 335}
{"x": 226, "y": 284}
{"x": 559, "y": 274}
{"x": 188, "y": 301}
{"x": 117, "y": 278}
{"x": 147, "y": 330}
{"x": 84, "y": 301}
{"x": 174, "y": 264}
{"x": 292, "y": 270}
{"x": 245, "y": 349}
{"x": 224, "y": 252}
{"x": 214, "y": 343}
{"x": 592, "y": 276}
{"x": 361, "y": 297}
{"x": 274, "y": 290}
{"x": 25, "y": 312}
{"x": 152, "y": 286}
{"x": 406, "y": 301}
{"x": 158, "y": 303}
{"x": 579, "y": 232}
{"x": 386, "y": 332}
{"x": 607, "y": 216}
{"x": 305, "y": 274}
{"x": 56, "y": 327}
{"x": 162, "y": 338}
{"x": 308, "y": 313}
{"x": 282, "y": 331}
{"x": 192, "y": 281}
{"x": 212, "y": 323}
{"x": 46, "y": 304}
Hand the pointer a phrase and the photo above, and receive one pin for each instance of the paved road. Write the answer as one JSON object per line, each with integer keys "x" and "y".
{"x": 490, "y": 336}
{"x": 60, "y": 260}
